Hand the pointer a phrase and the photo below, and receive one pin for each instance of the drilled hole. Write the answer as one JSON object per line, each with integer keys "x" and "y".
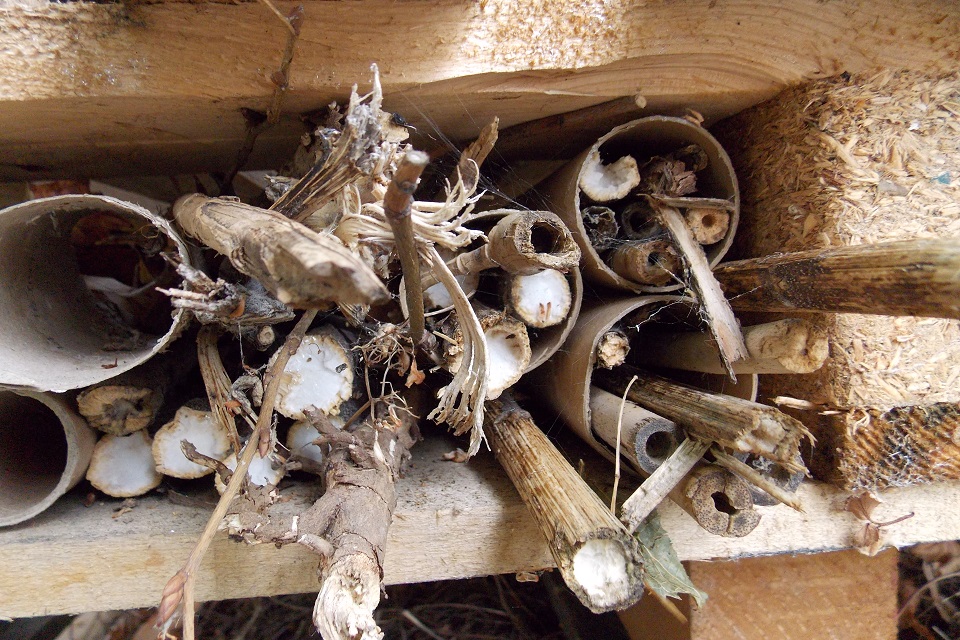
{"x": 722, "y": 503}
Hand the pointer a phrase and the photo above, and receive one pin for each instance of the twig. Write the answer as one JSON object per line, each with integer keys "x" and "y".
{"x": 258, "y": 123}
{"x": 412, "y": 619}
{"x": 397, "y": 209}
{"x": 216, "y": 381}
{"x": 179, "y": 589}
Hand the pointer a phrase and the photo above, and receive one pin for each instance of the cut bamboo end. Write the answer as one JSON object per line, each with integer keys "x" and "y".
{"x": 718, "y": 500}
{"x": 44, "y": 451}
{"x": 734, "y": 423}
{"x": 612, "y": 349}
{"x": 319, "y": 375}
{"x": 785, "y": 346}
{"x": 646, "y": 439}
{"x": 123, "y": 466}
{"x": 909, "y": 277}
{"x": 119, "y": 409}
{"x": 649, "y": 262}
{"x": 539, "y": 300}
{"x": 508, "y": 350}
{"x": 598, "y": 559}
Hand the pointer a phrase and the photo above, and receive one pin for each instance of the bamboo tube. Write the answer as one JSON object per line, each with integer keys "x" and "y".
{"x": 911, "y": 277}
{"x": 646, "y": 439}
{"x": 54, "y": 332}
{"x": 731, "y": 422}
{"x": 44, "y": 451}
{"x": 300, "y": 267}
{"x": 651, "y": 262}
{"x": 785, "y": 346}
{"x": 598, "y": 559}
{"x": 718, "y": 500}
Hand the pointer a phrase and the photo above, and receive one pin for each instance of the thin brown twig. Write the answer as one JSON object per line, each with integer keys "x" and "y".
{"x": 397, "y": 209}
{"x": 179, "y": 588}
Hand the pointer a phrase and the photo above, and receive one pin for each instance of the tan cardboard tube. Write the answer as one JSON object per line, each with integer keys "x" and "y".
{"x": 44, "y": 451}
{"x": 641, "y": 139}
{"x": 53, "y": 336}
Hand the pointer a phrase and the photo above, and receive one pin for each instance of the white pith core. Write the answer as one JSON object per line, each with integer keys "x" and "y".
{"x": 318, "y": 375}
{"x": 613, "y": 181}
{"x": 122, "y": 466}
{"x": 508, "y": 354}
{"x": 199, "y": 428}
{"x": 263, "y": 472}
{"x": 542, "y": 299}
{"x": 437, "y": 297}
{"x": 601, "y": 568}
{"x": 300, "y": 439}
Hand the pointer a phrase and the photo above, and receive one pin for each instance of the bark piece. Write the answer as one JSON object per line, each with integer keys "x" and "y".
{"x": 732, "y": 422}
{"x": 909, "y": 277}
{"x": 301, "y": 268}
{"x": 597, "y": 557}
{"x": 784, "y": 346}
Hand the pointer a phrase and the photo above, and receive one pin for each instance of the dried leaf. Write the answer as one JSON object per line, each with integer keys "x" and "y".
{"x": 665, "y": 575}
{"x": 867, "y": 540}
{"x": 862, "y": 506}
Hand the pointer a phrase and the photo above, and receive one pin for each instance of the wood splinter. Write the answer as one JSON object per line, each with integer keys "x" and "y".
{"x": 723, "y": 324}
{"x": 731, "y": 422}
{"x": 598, "y": 559}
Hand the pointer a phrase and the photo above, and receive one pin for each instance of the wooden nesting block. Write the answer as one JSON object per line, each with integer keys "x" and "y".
{"x": 846, "y": 161}
{"x": 830, "y": 595}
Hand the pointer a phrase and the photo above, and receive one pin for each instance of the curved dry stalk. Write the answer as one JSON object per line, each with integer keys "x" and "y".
{"x": 461, "y": 401}
{"x": 179, "y": 589}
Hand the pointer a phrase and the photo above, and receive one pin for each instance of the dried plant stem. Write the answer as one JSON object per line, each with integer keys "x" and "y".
{"x": 731, "y": 422}
{"x": 718, "y": 500}
{"x": 723, "y": 324}
{"x": 216, "y": 381}
{"x": 179, "y": 588}
{"x": 598, "y": 559}
{"x": 756, "y": 478}
{"x": 397, "y": 209}
{"x": 909, "y": 277}
{"x": 784, "y": 346}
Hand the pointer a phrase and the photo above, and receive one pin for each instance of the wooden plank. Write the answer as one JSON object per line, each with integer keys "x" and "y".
{"x": 831, "y": 596}
{"x": 105, "y": 89}
{"x": 452, "y": 521}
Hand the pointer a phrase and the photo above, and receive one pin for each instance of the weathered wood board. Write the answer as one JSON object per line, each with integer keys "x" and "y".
{"x": 452, "y": 521}
{"x": 156, "y": 88}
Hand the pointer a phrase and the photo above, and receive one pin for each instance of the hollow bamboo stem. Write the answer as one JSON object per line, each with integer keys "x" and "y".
{"x": 918, "y": 277}
{"x": 646, "y": 439}
{"x": 652, "y": 262}
{"x": 597, "y": 557}
{"x": 785, "y": 346}
{"x": 734, "y": 423}
{"x": 301, "y": 268}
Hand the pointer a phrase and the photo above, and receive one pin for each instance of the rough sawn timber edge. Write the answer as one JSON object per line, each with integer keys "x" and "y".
{"x": 128, "y": 88}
